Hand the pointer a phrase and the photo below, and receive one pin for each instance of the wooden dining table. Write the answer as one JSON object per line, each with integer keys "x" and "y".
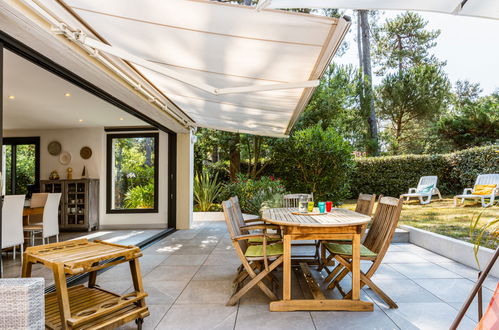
{"x": 339, "y": 224}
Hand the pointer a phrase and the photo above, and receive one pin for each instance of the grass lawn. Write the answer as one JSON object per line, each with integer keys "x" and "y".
{"x": 442, "y": 217}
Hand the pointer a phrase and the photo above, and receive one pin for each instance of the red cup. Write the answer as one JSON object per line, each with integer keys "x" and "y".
{"x": 329, "y": 205}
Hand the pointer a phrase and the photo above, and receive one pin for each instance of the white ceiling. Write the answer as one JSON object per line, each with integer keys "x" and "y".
{"x": 40, "y": 101}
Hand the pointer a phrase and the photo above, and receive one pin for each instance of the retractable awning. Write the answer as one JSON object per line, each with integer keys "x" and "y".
{"x": 226, "y": 66}
{"x": 477, "y": 8}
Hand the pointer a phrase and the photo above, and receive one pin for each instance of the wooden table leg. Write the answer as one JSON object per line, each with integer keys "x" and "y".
{"x": 62, "y": 294}
{"x": 92, "y": 276}
{"x": 286, "y": 277}
{"x": 356, "y": 266}
{"x": 27, "y": 265}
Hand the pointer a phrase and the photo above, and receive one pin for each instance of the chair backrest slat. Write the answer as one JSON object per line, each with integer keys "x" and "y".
{"x": 292, "y": 200}
{"x": 384, "y": 224}
{"x": 365, "y": 204}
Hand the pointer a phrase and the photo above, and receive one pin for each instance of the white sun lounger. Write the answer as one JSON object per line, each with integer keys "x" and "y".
{"x": 424, "y": 181}
{"x": 481, "y": 180}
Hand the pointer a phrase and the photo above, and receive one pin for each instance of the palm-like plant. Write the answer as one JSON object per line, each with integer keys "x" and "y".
{"x": 206, "y": 190}
{"x": 483, "y": 234}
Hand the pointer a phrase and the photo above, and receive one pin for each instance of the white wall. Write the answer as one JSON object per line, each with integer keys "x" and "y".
{"x": 72, "y": 140}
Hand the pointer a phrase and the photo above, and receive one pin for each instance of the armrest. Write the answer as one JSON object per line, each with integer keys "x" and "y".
{"x": 412, "y": 190}
{"x": 264, "y": 227}
{"x": 249, "y": 236}
{"x": 253, "y": 220}
{"x": 467, "y": 191}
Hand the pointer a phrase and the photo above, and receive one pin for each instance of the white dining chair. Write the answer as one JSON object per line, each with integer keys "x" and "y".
{"x": 12, "y": 223}
{"x": 50, "y": 225}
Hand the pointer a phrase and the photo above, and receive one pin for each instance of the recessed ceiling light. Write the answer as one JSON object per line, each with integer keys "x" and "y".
{"x": 67, "y": 94}
{"x": 11, "y": 97}
{"x": 121, "y": 118}
{"x": 80, "y": 120}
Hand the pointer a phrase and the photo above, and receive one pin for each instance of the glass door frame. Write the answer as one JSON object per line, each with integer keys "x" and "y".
{"x": 15, "y": 141}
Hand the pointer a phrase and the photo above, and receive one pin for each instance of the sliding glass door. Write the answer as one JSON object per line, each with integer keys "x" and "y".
{"x": 21, "y": 157}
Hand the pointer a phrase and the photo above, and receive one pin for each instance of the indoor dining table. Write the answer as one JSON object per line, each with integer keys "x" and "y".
{"x": 339, "y": 224}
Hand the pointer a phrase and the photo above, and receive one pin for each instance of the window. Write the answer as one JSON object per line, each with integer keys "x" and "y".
{"x": 132, "y": 173}
{"x": 21, "y": 165}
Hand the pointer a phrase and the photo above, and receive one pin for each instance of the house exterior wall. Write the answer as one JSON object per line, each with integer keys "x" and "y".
{"x": 72, "y": 140}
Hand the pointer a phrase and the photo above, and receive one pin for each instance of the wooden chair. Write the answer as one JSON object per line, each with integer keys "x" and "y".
{"x": 365, "y": 204}
{"x": 258, "y": 261}
{"x": 373, "y": 249}
{"x": 37, "y": 200}
{"x": 292, "y": 200}
{"x": 50, "y": 225}
{"x": 252, "y": 224}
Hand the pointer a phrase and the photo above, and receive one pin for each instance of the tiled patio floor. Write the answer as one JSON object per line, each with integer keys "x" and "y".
{"x": 188, "y": 276}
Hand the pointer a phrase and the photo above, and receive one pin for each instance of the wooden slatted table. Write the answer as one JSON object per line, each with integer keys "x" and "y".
{"x": 88, "y": 307}
{"x": 340, "y": 224}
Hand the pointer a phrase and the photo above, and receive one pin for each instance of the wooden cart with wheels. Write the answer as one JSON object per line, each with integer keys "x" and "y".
{"x": 88, "y": 307}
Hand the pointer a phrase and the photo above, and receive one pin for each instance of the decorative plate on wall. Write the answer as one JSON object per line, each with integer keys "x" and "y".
{"x": 54, "y": 148}
{"x": 86, "y": 152}
{"x": 65, "y": 158}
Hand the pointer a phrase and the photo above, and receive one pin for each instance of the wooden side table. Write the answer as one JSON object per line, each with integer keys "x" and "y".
{"x": 88, "y": 306}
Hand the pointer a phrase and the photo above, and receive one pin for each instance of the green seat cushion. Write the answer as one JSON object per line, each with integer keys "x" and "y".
{"x": 260, "y": 240}
{"x": 257, "y": 250}
{"x": 346, "y": 249}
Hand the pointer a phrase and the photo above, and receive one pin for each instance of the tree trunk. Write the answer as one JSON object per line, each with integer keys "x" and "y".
{"x": 235, "y": 156}
{"x": 373, "y": 146}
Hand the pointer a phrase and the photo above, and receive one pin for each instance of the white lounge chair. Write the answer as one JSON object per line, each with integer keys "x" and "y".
{"x": 427, "y": 187}
{"x": 482, "y": 179}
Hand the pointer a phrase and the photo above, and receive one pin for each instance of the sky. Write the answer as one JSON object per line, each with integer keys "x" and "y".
{"x": 469, "y": 45}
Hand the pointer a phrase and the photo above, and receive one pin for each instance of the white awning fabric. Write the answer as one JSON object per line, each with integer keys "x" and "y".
{"x": 227, "y": 66}
{"x": 477, "y": 8}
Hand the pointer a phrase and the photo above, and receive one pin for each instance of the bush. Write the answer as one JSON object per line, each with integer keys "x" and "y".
{"x": 393, "y": 175}
{"x": 253, "y": 194}
{"x": 140, "y": 197}
{"x": 206, "y": 190}
{"x": 316, "y": 161}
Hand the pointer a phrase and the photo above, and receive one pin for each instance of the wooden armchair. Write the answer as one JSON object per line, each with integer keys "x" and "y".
{"x": 373, "y": 249}
{"x": 258, "y": 261}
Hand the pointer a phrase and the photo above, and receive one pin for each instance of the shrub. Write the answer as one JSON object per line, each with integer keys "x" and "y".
{"x": 253, "y": 194}
{"x": 393, "y": 175}
{"x": 206, "y": 190}
{"x": 140, "y": 197}
{"x": 316, "y": 161}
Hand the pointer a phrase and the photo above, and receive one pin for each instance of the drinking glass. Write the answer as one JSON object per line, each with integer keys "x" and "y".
{"x": 310, "y": 206}
{"x": 322, "y": 207}
{"x": 303, "y": 207}
{"x": 329, "y": 206}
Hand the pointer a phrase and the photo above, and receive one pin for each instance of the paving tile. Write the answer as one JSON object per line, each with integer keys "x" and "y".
{"x": 199, "y": 317}
{"x": 402, "y": 258}
{"x": 200, "y": 249}
{"x": 171, "y": 273}
{"x": 157, "y": 312}
{"x": 452, "y": 290}
{"x": 384, "y": 272}
{"x": 120, "y": 287}
{"x": 223, "y": 258}
{"x": 424, "y": 270}
{"x": 163, "y": 292}
{"x": 216, "y": 272}
{"x": 426, "y": 316}
{"x": 185, "y": 260}
{"x": 346, "y": 320}
{"x": 402, "y": 291}
{"x": 207, "y": 292}
{"x": 259, "y": 317}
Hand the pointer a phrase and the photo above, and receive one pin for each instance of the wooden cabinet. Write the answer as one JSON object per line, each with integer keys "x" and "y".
{"x": 79, "y": 208}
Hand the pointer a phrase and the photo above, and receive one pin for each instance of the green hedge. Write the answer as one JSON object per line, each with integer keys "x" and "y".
{"x": 394, "y": 175}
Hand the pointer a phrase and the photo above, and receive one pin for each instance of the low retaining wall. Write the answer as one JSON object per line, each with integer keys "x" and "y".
{"x": 451, "y": 248}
